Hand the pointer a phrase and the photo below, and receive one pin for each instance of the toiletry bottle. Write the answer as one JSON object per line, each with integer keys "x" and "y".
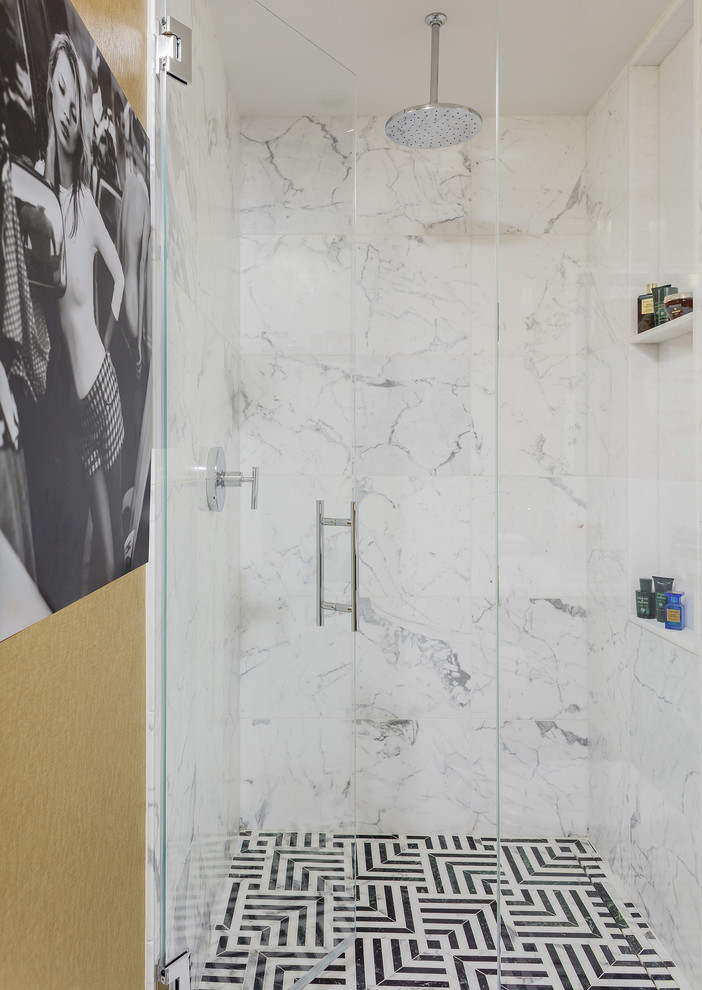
{"x": 645, "y": 319}
{"x": 661, "y": 585}
{"x": 674, "y": 610}
{"x": 659, "y": 293}
{"x": 645, "y": 600}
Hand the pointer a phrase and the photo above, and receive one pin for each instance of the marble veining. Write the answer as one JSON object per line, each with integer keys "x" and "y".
{"x": 413, "y": 295}
{"x": 413, "y": 415}
{"x": 296, "y": 175}
{"x": 413, "y": 657}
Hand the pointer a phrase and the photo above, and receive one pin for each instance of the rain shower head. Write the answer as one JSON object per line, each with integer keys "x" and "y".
{"x": 434, "y": 125}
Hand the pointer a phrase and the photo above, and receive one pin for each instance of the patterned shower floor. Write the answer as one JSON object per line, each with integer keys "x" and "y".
{"x": 426, "y": 916}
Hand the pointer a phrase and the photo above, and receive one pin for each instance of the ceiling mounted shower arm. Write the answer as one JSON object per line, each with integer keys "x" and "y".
{"x": 435, "y": 22}
{"x": 433, "y": 124}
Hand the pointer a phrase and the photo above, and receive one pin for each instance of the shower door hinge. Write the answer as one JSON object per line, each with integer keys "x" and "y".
{"x": 175, "y": 49}
{"x": 176, "y": 975}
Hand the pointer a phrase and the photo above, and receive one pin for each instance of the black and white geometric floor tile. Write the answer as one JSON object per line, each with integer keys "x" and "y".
{"x": 425, "y": 913}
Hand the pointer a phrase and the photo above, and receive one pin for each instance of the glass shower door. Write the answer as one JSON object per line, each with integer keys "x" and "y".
{"x": 257, "y": 812}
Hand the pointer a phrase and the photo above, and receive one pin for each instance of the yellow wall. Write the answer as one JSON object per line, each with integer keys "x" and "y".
{"x": 72, "y": 736}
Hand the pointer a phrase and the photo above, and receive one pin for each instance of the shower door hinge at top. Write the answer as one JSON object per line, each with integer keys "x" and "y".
{"x": 323, "y": 606}
{"x": 175, "y": 50}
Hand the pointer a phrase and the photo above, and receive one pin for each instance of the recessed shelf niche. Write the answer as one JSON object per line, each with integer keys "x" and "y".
{"x": 666, "y": 331}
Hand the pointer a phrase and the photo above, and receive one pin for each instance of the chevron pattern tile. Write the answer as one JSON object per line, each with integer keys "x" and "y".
{"x": 424, "y": 912}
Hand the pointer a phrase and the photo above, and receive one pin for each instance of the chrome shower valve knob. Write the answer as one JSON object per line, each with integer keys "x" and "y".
{"x": 218, "y": 479}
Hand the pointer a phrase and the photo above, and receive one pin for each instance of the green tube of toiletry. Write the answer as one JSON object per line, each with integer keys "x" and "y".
{"x": 661, "y": 585}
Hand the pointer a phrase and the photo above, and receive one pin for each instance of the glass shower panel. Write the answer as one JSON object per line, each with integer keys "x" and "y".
{"x": 200, "y": 611}
{"x": 553, "y": 919}
{"x": 426, "y": 660}
{"x": 257, "y": 809}
{"x": 598, "y": 487}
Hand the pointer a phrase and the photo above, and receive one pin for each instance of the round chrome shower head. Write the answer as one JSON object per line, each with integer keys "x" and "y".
{"x": 434, "y": 125}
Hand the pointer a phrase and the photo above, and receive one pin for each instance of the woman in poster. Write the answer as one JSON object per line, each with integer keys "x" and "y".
{"x": 101, "y": 428}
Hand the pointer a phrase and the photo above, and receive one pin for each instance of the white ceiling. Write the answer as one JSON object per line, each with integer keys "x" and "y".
{"x": 556, "y": 56}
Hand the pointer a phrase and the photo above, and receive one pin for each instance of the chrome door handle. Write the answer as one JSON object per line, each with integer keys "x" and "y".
{"x": 323, "y": 606}
{"x": 218, "y": 479}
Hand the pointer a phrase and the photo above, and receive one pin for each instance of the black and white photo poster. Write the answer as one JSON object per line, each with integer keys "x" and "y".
{"x": 75, "y": 317}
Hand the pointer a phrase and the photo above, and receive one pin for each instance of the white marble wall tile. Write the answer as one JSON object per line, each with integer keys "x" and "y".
{"x": 607, "y": 548}
{"x": 414, "y": 536}
{"x": 485, "y": 658}
{"x": 609, "y": 418}
{"x": 542, "y": 543}
{"x": 678, "y": 438}
{"x": 412, "y": 774}
{"x": 184, "y": 368}
{"x": 413, "y": 658}
{"x": 278, "y": 539}
{"x": 532, "y": 199}
{"x": 190, "y": 913}
{"x": 217, "y": 290}
{"x": 297, "y": 774}
{"x": 202, "y": 377}
{"x": 181, "y": 188}
{"x": 413, "y": 295}
{"x": 609, "y": 685}
{"x": 486, "y": 748}
{"x": 542, "y": 658}
{"x": 290, "y": 668}
{"x": 296, "y": 294}
{"x": 543, "y": 293}
{"x": 409, "y": 190}
{"x": 612, "y": 311}
{"x": 212, "y": 94}
{"x": 187, "y": 915}
{"x": 543, "y": 777}
{"x": 216, "y": 420}
{"x": 677, "y": 138}
{"x": 542, "y": 415}
{"x": 413, "y": 415}
{"x": 608, "y": 217}
{"x": 643, "y": 502}
{"x": 644, "y": 148}
{"x": 202, "y": 630}
{"x": 644, "y": 419}
{"x": 666, "y": 874}
{"x": 483, "y": 535}
{"x": 296, "y": 414}
{"x": 608, "y": 811}
{"x": 296, "y": 175}
{"x": 665, "y": 719}
{"x": 607, "y": 154}
{"x": 677, "y": 534}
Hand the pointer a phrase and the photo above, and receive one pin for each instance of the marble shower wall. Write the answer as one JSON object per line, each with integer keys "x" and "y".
{"x": 643, "y": 493}
{"x": 296, "y": 425}
{"x": 202, "y": 548}
{"x": 419, "y": 443}
{"x": 425, "y": 448}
